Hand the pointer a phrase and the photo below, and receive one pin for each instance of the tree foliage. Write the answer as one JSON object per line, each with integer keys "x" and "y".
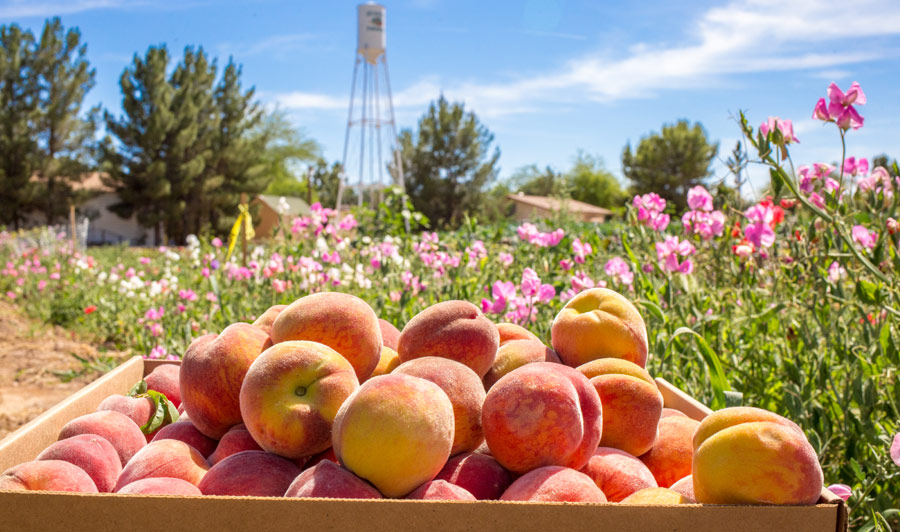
{"x": 447, "y": 162}
{"x": 285, "y": 148}
{"x": 592, "y": 183}
{"x": 670, "y": 162}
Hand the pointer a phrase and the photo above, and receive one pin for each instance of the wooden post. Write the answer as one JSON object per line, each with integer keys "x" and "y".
{"x": 72, "y": 225}
{"x": 244, "y": 233}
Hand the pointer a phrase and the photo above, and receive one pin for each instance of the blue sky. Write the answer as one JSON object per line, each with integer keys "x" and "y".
{"x": 547, "y": 77}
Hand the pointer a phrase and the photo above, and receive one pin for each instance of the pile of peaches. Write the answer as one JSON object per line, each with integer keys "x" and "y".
{"x": 320, "y": 398}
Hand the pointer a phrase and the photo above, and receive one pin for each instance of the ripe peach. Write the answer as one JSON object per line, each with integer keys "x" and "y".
{"x": 47, "y": 475}
{"x": 329, "y": 480}
{"x": 542, "y": 414}
{"x": 479, "y": 474}
{"x": 343, "y": 322}
{"x": 94, "y": 454}
{"x": 250, "y": 473}
{"x": 212, "y": 371}
{"x": 745, "y": 455}
{"x": 452, "y": 329}
{"x": 617, "y": 473}
{"x": 554, "y": 484}
{"x": 292, "y": 393}
{"x": 387, "y": 363}
{"x": 390, "y": 335}
{"x": 670, "y": 457}
{"x": 395, "y": 431}
{"x": 160, "y": 486}
{"x": 327, "y": 454}
{"x": 165, "y": 380}
{"x": 440, "y": 490}
{"x": 631, "y": 403}
{"x": 188, "y": 433}
{"x": 465, "y": 391}
{"x": 685, "y": 487}
{"x": 510, "y": 331}
{"x": 234, "y": 441}
{"x": 165, "y": 458}
{"x": 267, "y": 318}
{"x": 115, "y": 427}
{"x": 657, "y": 496}
{"x": 516, "y": 353}
{"x": 138, "y": 409}
{"x": 671, "y": 412}
{"x": 599, "y": 323}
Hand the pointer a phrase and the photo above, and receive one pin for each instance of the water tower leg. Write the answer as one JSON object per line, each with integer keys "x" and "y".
{"x": 347, "y": 135}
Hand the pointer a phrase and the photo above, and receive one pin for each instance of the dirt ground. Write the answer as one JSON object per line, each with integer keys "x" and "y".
{"x": 30, "y": 353}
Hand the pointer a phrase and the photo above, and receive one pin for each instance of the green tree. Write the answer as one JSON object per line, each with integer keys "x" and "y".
{"x": 533, "y": 181}
{"x": 671, "y": 162}
{"x": 326, "y": 181}
{"x": 885, "y": 161}
{"x": 448, "y": 162}
{"x": 591, "y": 182}
{"x": 284, "y": 150}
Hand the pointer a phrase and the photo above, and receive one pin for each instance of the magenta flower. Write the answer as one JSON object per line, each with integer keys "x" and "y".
{"x": 817, "y": 200}
{"x": 531, "y": 283}
{"x": 187, "y": 295}
{"x": 566, "y": 264}
{"x": 820, "y": 112}
{"x": 895, "y": 449}
{"x": 705, "y": 224}
{"x": 841, "y": 490}
{"x": 546, "y": 293}
{"x": 759, "y": 232}
{"x": 831, "y": 186}
{"x": 854, "y": 167}
{"x": 348, "y": 223}
{"x": 619, "y": 270}
{"x": 650, "y": 211}
{"x": 217, "y": 242}
{"x": 668, "y": 251}
{"x": 864, "y": 237}
{"x": 581, "y": 250}
{"x": 840, "y": 106}
{"x": 785, "y": 126}
{"x": 699, "y": 199}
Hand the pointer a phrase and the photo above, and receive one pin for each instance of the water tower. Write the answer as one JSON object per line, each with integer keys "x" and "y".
{"x": 371, "y": 136}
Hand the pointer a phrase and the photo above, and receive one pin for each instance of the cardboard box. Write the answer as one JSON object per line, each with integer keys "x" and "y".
{"x": 42, "y": 511}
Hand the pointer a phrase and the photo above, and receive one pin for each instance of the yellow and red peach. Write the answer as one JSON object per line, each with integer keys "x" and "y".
{"x": 657, "y": 497}
{"x": 671, "y": 412}
{"x": 395, "y": 431}
{"x": 452, "y": 329}
{"x": 160, "y": 486}
{"x": 387, "y": 363}
{"x": 186, "y": 431}
{"x": 291, "y": 395}
{"x": 327, "y": 454}
{"x": 514, "y": 354}
{"x": 47, "y": 475}
{"x": 554, "y": 484}
{"x": 510, "y": 331}
{"x": 670, "y": 457}
{"x": 390, "y": 335}
{"x": 465, "y": 391}
{"x": 599, "y": 323}
{"x": 212, "y": 371}
{"x": 542, "y": 414}
{"x": 477, "y": 473}
{"x": 94, "y": 454}
{"x": 234, "y": 441}
{"x": 746, "y": 455}
{"x": 267, "y": 318}
{"x": 115, "y": 427}
{"x": 138, "y": 409}
{"x": 440, "y": 490}
{"x": 343, "y": 322}
{"x": 631, "y": 403}
{"x": 685, "y": 487}
{"x": 165, "y": 380}
{"x": 617, "y": 473}
{"x": 329, "y": 480}
{"x": 165, "y": 458}
{"x": 250, "y": 473}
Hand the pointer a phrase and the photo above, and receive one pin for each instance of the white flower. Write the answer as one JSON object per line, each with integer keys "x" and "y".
{"x": 283, "y": 206}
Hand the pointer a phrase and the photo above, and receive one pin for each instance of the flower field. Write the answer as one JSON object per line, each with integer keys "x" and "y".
{"x": 789, "y": 303}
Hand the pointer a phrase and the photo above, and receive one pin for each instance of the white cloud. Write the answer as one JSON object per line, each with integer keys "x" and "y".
{"x": 277, "y": 45}
{"x": 13, "y": 9}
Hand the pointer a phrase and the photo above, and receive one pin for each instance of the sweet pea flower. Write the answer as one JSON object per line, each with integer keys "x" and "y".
{"x": 10, "y": 294}
{"x": 817, "y": 200}
{"x": 895, "y": 449}
{"x": 581, "y": 250}
{"x": 892, "y": 226}
{"x": 864, "y": 237}
{"x": 506, "y": 259}
{"x": 840, "y": 106}
{"x": 759, "y": 232}
{"x": 699, "y": 199}
{"x": 217, "y": 242}
{"x": 786, "y": 127}
{"x": 546, "y": 293}
{"x": 831, "y": 186}
{"x": 841, "y": 490}
{"x": 650, "y": 211}
{"x": 619, "y": 270}
{"x": 566, "y": 264}
{"x": 743, "y": 250}
{"x": 836, "y": 272}
{"x": 854, "y": 167}
{"x": 668, "y": 251}
{"x": 531, "y": 283}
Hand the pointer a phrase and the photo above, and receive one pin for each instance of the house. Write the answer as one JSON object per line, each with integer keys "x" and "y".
{"x": 269, "y": 209}
{"x": 537, "y": 207}
{"x": 105, "y": 226}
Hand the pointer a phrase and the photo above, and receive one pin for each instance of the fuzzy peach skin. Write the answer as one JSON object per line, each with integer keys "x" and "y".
{"x": 671, "y": 412}
{"x": 47, "y": 475}
{"x": 479, "y": 474}
{"x": 165, "y": 458}
{"x": 657, "y": 496}
{"x": 250, "y": 473}
{"x": 292, "y": 393}
{"x": 745, "y": 455}
{"x": 212, "y": 371}
{"x": 599, "y": 323}
{"x": 631, "y": 403}
{"x": 670, "y": 457}
{"x": 92, "y": 453}
{"x": 617, "y": 473}
{"x": 234, "y": 441}
{"x": 465, "y": 391}
{"x": 138, "y": 409}
{"x": 390, "y": 335}
{"x": 395, "y": 431}
{"x": 160, "y": 486}
{"x": 331, "y": 481}
{"x": 452, "y": 329}
{"x": 685, "y": 487}
{"x": 115, "y": 427}
{"x": 510, "y": 331}
{"x": 554, "y": 484}
{"x": 267, "y": 318}
{"x": 440, "y": 490}
{"x": 387, "y": 363}
{"x": 343, "y": 322}
{"x": 542, "y": 414}
{"x": 514, "y": 354}
{"x": 188, "y": 433}
{"x": 165, "y": 380}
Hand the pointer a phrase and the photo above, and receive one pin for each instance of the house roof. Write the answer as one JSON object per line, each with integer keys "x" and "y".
{"x": 555, "y": 204}
{"x": 91, "y": 182}
{"x": 296, "y": 206}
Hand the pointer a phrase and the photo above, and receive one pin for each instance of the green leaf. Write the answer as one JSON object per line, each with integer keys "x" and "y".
{"x": 884, "y": 337}
{"x": 777, "y": 182}
{"x": 867, "y": 291}
{"x": 164, "y": 414}
{"x": 713, "y": 366}
{"x": 138, "y": 389}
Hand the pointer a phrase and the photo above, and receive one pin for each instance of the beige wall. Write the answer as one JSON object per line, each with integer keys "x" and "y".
{"x": 526, "y": 212}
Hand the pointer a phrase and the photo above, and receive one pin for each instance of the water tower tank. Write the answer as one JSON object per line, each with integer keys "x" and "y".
{"x": 371, "y": 39}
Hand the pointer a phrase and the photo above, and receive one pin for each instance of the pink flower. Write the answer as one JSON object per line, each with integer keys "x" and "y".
{"x": 743, "y": 250}
{"x": 895, "y": 449}
{"x": 854, "y": 167}
{"x": 831, "y": 186}
{"x": 785, "y": 126}
{"x": 705, "y": 224}
{"x": 531, "y": 283}
{"x": 841, "y": 490}
{"x": 54, "y": 276}
{"x": 619, "y": 270}
{"x": 43, "y": 284}
{"x": 395, "y": 295}
{"x": 835, "y": 272}
{"x": 566, "y": 264}
{"x": 820, "y": 112}
{"x": 699, "y": 199}
{"x": 10, "y": 294}
{"x": 502, "y": 292}
{"x": 217, "y": 242}
{"x": 668, "y": 251}
{"x": 817, "y": 200}
{"x": 158, "y": 352}
{"x": 348, "y": 223}
{"x": 581, "y": 250}
{"x": 650, "y": 211}
{"x": 546, "y": 293}
{"x": 840, "y": 106}
{"x": 145, "y": 260}
{"x": 759, "y": 232}
{"x": 864, "y": 237}
{"x": 280, "y": 285}
{"x": 892, "y": 226}
{"x": 506, "y": 259}
{"x": 211, "y": 297}
{"x": 154, "y": 314}
{"x": 187, "y": 295}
